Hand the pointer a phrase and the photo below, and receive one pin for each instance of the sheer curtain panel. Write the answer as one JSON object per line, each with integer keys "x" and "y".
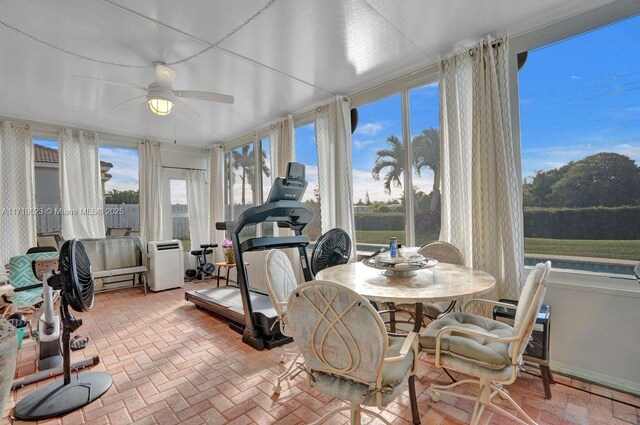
{"x": 198, "y": 202}
{"x": 150, "y": 165}
{"x": 81, "y": 192}
{"x": 17, "y": 196}
{"x": 481, "y": 196}
{"x": 335, "y": 169}
{"x": 216, "y": 197}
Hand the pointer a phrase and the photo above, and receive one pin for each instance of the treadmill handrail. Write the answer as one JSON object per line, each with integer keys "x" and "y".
{"x": 280, "y": 242}
{"x": 290, "y": 213}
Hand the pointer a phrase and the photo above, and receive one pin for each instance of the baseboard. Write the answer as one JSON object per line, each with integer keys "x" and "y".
{"x": 596, "y": 378}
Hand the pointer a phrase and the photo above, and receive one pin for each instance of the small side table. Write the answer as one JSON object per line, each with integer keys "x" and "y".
{"x": 228, "y": 266}
{"x": 537, "y": 350}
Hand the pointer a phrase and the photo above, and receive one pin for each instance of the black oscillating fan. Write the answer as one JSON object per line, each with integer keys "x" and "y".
{"x": 75, "y": 282}
{"x": 332, "y": 248}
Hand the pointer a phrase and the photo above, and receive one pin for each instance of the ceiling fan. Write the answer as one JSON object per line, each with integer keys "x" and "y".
{"x": 161, "y": 97}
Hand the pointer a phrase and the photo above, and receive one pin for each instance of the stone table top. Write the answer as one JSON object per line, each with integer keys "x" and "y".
{"x": 440, "y": 283}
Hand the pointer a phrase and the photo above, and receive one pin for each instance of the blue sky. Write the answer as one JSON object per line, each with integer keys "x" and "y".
{"x": 581, "y": 96}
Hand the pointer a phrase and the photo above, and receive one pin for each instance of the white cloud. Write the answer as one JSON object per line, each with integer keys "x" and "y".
{"x": 363, "y": 183}
{"x": 631, "y": 151}
{"x": 124, "y": 170}
{"x": 361, "y": 144}
{"x": 369, "y": 129}
{"x": 576, "y": 77}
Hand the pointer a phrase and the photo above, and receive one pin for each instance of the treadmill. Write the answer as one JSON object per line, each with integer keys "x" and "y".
{"x": 248, "y": 310}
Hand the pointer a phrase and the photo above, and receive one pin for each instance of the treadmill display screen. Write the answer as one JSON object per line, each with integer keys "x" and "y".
{"x": 291, "y": 188}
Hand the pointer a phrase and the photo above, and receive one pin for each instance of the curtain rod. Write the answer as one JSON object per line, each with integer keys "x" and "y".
{"x": 184, "y": 168}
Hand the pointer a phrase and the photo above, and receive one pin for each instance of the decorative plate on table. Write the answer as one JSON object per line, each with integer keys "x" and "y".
{"x": 399, "y": 266}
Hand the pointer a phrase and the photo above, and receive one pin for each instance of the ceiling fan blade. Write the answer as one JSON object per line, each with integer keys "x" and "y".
{"x": 182, "y": 107}
{"x": 130, "y": 103}
{"x": 204, "y": 95}
{"x": 115, "y": 83}
{"x": 165, "y": 76}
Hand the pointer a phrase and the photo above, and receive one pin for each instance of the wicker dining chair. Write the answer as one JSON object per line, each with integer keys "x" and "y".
{"x": 443, "y": 252}
{"x": 347, "y": 351}
{"x": 487, "y": 350}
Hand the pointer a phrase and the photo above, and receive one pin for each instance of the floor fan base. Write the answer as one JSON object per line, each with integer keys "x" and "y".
{"x": 56, "y": 399}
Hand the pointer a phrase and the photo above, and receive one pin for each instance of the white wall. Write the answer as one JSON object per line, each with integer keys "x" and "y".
{"x": 595, "y": 328}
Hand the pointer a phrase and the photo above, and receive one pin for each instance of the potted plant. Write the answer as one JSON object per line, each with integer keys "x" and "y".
{"x": 227, "y": 247}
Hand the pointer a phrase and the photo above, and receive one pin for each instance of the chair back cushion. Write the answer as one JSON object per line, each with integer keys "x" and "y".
{"x": 443, "y": 252}
{"x": 8, "y": 357}
{"x": 281, "y": 279}
{"x": 529, "y": 305}
{"x": 20, "y": 272}
{"x": 337, "y": 331}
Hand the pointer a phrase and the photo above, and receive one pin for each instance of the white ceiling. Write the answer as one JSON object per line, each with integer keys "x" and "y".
{"x": 295, "y": 54}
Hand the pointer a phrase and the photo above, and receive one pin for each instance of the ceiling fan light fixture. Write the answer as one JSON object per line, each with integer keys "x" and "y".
{"x": 160, "y": 107}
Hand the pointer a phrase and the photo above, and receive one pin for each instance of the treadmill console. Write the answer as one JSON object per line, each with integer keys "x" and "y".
{"x": 290, "y": 188}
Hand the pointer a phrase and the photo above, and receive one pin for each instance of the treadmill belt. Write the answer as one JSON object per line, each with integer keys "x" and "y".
{"x": 226, "y": 301}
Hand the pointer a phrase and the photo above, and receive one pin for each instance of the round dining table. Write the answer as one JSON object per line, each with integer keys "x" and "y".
{"x": 443, "y": 282}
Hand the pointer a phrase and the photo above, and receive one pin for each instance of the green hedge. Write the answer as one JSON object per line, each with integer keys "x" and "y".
{"x": 380, "y": 221}
{"x": 622, "y": 223}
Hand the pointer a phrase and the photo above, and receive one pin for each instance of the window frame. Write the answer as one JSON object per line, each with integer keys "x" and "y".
{"x": 557, "y": 32}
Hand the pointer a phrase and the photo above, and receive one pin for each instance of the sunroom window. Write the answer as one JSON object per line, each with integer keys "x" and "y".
{"x": 180, "y": 212}
{"x": 378, "y": 174}
{"x": 579, "y": 108}
{"x": 307, "y": 153}
{"x": 121, "y": 187}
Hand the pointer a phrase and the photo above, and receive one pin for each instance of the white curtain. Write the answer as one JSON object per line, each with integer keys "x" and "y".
{"x": 481, "y": 193}
{"x": 17, "y": 197}
{"x": 335, "y": 169}
{"x": 216, "y": 198}
{"x": 283, "y": 151}
{"x": 150, "y": 165}
{"x": 198, "y": 202}
{"x": 81, "y": 192}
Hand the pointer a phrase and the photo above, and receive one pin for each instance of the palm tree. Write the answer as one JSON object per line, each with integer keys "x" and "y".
{"x": 426, "y": 153}
{"x": 244, "y": 160}
{"x": 391, "y": 159}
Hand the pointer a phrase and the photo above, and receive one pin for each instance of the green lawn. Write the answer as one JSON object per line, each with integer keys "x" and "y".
{"x": 619, "y": 250}
{"x": 379, "y": 236}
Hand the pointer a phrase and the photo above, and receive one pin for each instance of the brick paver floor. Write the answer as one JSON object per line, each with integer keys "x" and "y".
{"x": 174, "y": 364}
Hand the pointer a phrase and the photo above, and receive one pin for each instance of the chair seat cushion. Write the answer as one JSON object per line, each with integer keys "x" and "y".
{"x": 394, "y": 376}
{"x": 481, "y": 351}
{"x": 27, "y": 298}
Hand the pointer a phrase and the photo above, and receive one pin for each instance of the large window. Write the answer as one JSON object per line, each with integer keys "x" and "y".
{"x": 425, "y": 145}
{"x": 180, "y": 212}
{"x": 579, "y": 108}
{"x": 244, "y": 181}
{"x": 378, "y": 174}
{"x": 307, "y": 154}
{"x": 267, "y": 176}
{"x": 121, "y": 188}
{"x": 47, "y": 188}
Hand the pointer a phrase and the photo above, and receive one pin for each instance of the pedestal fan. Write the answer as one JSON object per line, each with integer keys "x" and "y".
{"x": 75, "y": 281}
{"x": 332, "y": 248}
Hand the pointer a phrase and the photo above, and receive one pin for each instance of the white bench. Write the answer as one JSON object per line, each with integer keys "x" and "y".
{"x": 118, "y": 256}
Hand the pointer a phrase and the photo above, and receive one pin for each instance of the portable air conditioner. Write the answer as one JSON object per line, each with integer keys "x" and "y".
{"x": 166, "y": 265}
